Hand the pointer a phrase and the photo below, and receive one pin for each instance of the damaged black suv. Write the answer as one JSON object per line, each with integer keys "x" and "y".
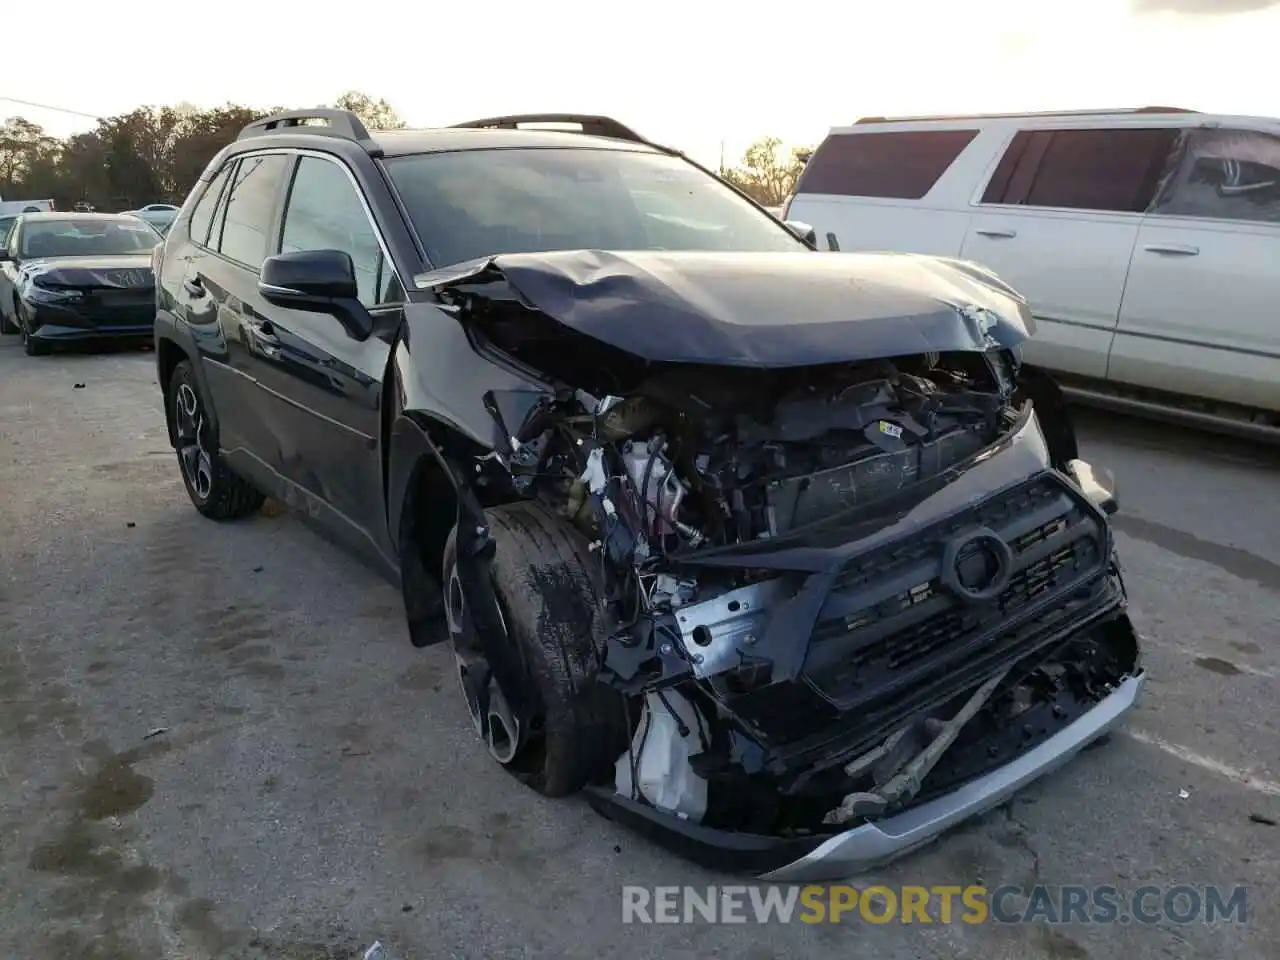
{"x": 782, "y": 556}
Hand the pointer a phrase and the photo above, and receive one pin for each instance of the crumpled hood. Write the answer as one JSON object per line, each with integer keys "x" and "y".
{"x": 125, "y": 272}
{"x": 761, "y": 309}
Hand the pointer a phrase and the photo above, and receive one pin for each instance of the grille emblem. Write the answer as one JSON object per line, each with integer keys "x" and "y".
{"x": 126, "y": 278}
{"x": 977, "y": 565}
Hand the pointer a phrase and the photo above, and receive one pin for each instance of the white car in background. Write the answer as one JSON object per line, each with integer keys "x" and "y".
{"x": 159, "y": 215}
{"x": 1146, "y": 242}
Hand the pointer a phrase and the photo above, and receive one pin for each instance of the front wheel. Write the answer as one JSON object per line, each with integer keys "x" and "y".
{"x": 215, "y": 491}
{"x": 8, "y": 326}
{"x": 551, "y": 623}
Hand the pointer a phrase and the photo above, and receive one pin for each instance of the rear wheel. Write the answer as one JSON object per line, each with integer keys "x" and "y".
{"x": 214, "y": 490}
{"x": 551, "y": 621}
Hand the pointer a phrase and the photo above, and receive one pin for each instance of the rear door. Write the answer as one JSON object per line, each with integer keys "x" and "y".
{"x": 322, "y": 386}
{"x": 224, "y": 280}
{"x": 1199, "y": 314}
{"x": 1058, "y": 220}
{"x": 881, "y": 190}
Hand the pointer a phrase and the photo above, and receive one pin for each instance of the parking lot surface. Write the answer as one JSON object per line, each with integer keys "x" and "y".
{"x": 216, "y": 740}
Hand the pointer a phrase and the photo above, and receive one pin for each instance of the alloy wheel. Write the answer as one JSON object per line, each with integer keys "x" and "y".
{"x": 193, "y": 453}
{"x": 494, "y": 721}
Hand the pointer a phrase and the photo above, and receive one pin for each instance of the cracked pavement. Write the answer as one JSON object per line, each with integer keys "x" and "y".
{"x": 216, "y": 740}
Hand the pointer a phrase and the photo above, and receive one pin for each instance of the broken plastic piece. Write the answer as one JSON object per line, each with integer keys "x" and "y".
{"x": 906, "y": 782}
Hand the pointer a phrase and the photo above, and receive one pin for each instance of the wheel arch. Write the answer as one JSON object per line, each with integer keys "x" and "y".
{"x": 1039, "y": 386}
{"x": 173, "y": 344}
{"x": 436, "y": 478}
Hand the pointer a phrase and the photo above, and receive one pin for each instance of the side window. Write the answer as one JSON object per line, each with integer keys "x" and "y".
{"x": 202, "y": 215}
{"x": 1115, "y": 170}
{"x": 250, "y": 207}
{"x": 899, "y": 165}
{"x": 1224, "y": 174}
{"x": 325, "y": 213}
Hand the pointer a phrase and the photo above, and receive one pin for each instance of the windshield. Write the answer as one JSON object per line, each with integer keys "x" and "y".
{"x": 480, "y": 203}
{"x": 87, "y": 238}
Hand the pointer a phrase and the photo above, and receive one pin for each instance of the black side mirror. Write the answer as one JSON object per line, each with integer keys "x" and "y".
{"x": 803, "y": 231}
{"x": 4, "y": 256}
{"x": 321, "y": 281}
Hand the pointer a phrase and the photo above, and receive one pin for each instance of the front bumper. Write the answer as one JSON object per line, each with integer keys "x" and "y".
{"x": 875, "y": 843}
{"x": 793, "y": 860}
{"x": 88, "y": 321}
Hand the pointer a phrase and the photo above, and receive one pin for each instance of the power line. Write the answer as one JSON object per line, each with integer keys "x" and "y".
{"x": 45, "y": 106}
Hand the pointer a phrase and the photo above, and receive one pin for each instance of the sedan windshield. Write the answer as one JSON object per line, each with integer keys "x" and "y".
{"x": 480, "y": 203}
{"x": 87, "y": 238}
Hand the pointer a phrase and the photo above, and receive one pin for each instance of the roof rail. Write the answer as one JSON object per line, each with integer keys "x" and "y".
{"x": 1029, "y": 115}
{"x": 593, "y": 126}
{"x": 338, "y": 123}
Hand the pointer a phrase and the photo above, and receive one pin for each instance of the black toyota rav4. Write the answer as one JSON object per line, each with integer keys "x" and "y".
{"x": 781, "y": 556}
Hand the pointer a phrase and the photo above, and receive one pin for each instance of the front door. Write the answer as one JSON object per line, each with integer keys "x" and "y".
{"x": 323, "y": 386}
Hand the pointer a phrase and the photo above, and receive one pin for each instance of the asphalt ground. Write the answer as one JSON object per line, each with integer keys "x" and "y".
{"x": 216, "y": 740}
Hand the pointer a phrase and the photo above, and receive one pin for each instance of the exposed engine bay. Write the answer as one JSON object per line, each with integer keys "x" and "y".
{"x": 691, "y": 462}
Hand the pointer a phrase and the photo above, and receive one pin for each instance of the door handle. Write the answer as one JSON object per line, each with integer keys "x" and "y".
{"x": 264, "y": 330}
{"x": 1177, "y": 249}
{"x": 997, "y": 234}
{"x": 194, "y": 286}
{"x": 264, "y": 335}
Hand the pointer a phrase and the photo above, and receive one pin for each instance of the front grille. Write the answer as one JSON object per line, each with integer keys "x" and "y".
{"x": 890, "y": 622}
{"x": 119, "y": 307}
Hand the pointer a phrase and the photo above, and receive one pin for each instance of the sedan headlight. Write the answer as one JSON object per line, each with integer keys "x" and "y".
{"x": 38, "y": 294}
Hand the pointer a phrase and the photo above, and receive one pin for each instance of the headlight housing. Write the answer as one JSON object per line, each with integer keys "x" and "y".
{"x": 38, "y": 294}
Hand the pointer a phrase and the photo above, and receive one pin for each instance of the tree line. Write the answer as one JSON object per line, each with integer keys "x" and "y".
{"x": 149, "y": 155}
{"x": 155, "y": 155}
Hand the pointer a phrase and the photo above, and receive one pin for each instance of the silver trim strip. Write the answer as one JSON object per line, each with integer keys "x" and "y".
{"x": 875, "y": 843}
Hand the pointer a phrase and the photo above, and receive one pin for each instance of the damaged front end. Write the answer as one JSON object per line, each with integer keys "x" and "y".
{"x": 853, "y": 596}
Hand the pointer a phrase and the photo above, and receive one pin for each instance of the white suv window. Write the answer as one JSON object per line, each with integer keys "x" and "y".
{"x": 1226, "y": 175}
{"x": 899, "y": 165}
{"x": 1105, "y": 169}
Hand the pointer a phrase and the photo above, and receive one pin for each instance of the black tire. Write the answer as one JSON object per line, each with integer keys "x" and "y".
{"x": 214, "y": 490}
{"x": 7, "y": 326}
{"x": 33, "y": 347}
{"x": 541, "y": 576}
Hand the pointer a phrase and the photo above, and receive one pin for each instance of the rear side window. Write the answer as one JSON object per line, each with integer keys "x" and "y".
{"x": 1224, "y": 175}
{"x": 1105, "y": 170}
{"x": 899, "y": 166}
{"x": 251, "y": 207}
{"x": 202, "y": 215}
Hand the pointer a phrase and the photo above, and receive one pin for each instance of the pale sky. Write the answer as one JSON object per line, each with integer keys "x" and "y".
{"x": 688, "y": 73}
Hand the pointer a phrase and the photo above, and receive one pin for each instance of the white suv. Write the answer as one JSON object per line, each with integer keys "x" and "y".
{"x": 1146, "y": 241}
